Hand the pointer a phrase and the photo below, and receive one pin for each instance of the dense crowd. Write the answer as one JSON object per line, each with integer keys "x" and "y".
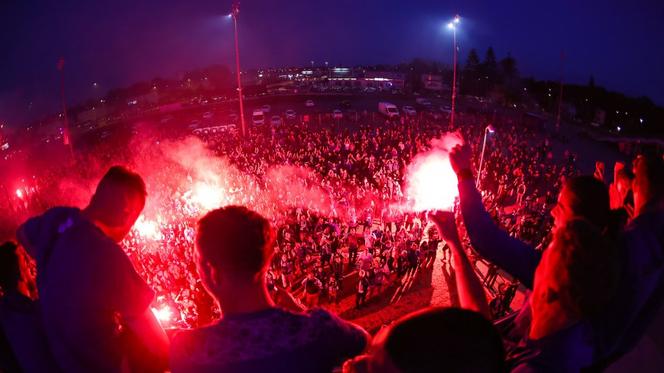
{"x": 353, "y": 219}
{"x": 357, "y": 225}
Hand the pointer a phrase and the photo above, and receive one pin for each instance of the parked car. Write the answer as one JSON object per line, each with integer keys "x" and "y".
{"x": 258, "y": 118}
{"x": 266, "y": 108}
{"x": 194, "y": 124}
{"x": 275, "y": 120}
{"x": 337, "y": 114}
{"x": 433, "y": 114}
{"x": 291, "y": 114}
{"x": 309, "y": 103}
{"x": 423, "y": 101}
{"x": 233, "y": 117}
{"x": 388, "y": 109}
{"x": 409, "y": 111}
{"x": 207, "y": 115}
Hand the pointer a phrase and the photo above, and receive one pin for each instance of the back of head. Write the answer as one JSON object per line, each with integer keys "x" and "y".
{"x": 119, "y": 197}
{"x": 590, "y": 262}
{"x": 445, "y": 340}
{"x": 590, "y": 199}
{"x": 10, "y": 271}
{"x": 649, "y": 174}
{"x": 235, "y": 239}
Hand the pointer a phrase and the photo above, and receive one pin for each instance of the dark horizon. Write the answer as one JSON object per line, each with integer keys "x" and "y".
{"x": 116, "y": 44}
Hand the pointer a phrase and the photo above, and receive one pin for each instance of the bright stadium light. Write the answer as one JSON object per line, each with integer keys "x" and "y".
{"x": 452, "y": 26}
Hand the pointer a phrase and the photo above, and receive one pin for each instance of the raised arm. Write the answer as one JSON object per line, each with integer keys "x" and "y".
{"x": 470, "y": 289}
{"x": 491, "y": 242}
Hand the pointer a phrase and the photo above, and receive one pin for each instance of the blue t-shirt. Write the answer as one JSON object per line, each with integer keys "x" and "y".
{"x": 272, "y": 340}
{"x": 87, "y": 285}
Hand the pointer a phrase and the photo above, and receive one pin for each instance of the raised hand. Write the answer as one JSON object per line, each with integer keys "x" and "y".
{"x": 444, "y": 220}
{"x": 460, "y": 157}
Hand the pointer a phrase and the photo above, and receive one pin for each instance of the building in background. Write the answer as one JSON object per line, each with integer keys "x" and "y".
{"x": 433, "y": 82}
{"x": 384, "y": 80}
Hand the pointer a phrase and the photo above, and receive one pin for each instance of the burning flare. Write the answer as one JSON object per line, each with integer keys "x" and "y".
{"x": 431, "y": 183}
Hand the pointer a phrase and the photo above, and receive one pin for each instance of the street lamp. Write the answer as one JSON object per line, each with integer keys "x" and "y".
{"x": 489, "y": 129}
{"x": 453, "y": 25}
{"x": 235, "y": 11}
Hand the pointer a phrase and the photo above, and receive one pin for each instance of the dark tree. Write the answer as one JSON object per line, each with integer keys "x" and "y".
{"x": 489, "y": 69}
{"x": 509, "y": 77}
{"x": 470, "y": 76}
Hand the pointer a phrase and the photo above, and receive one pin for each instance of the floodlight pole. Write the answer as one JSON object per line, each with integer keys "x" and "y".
{"x": 234, "y": 13}
{"x": 454, "y": 74}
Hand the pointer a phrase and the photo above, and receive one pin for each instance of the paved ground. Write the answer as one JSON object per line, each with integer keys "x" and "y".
{"x": 431, "y": 284}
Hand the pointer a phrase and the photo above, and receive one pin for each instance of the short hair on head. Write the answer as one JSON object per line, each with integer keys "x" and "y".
{"x": 445, "y": 340}
{"x": 114, "y": 187}
{"x": 10, "y": 271}
{"x": 236, "y": 239}
{"x": 591, "y": 262}
{"x": 122, "y": 176}
{"x": 590, "y": 199}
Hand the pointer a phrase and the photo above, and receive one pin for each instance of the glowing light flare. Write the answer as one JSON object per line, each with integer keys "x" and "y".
{"x": 147, "y": 229}
{"x": 163, "y": 314}
{"x": 19, "y": 193}
{"x": 432, "y": 183}
{"x": 206, "y": 196}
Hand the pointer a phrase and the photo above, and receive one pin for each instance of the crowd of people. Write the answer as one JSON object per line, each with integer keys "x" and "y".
{"x": 578, "y": 247}
{"x": 357, "y": 226}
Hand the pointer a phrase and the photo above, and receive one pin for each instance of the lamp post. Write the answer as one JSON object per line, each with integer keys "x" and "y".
{"x": 235, "y": 11}
{"x": 489, "y": 129}
{"x": 452, "y": 25}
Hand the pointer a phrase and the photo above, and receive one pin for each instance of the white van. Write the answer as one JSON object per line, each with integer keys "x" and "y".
{"x": 388, "y": 109}
{"x": 258, "y": 118}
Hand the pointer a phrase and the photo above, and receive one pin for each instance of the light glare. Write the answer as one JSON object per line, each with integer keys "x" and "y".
{"x": 431, "y": 181}
{"x": 162, "y": 314}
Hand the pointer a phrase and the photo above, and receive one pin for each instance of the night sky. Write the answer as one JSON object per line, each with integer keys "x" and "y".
{"x": 116, "y": 43}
